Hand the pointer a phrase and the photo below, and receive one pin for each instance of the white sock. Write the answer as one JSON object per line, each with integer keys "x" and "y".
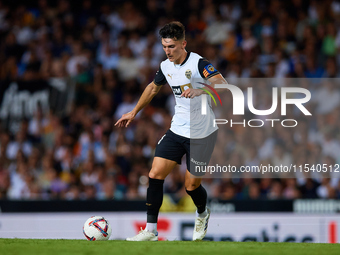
{"x": 203, "y": 214}
{"x": 151, "y": 227}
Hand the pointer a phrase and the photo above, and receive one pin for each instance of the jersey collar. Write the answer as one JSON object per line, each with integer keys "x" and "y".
{"x": 185, "y": 60}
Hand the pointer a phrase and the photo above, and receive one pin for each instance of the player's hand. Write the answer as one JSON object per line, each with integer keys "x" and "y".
{"x": 192, "y": 93}
{"x": 125, "y": 120}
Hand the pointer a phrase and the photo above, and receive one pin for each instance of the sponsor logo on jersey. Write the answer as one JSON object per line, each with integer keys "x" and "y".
{"x": 170, "y": 75}
{"x": 178, "y": 90}
{"x": 186, "y": 86}
{"x": 188, "y": 74}
{"x": 208, "y": 69}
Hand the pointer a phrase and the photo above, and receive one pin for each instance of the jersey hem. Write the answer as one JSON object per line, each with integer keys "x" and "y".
{"x": 194, "y": 138}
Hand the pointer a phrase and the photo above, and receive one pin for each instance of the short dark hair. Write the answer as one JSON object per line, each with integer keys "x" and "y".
{"x": 174, "y": 30}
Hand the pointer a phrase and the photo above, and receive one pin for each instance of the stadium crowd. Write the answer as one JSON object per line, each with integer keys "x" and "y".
{"x": 111, "y": 50}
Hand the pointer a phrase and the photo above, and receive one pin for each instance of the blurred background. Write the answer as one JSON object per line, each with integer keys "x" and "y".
{"x": 70, "y": 69}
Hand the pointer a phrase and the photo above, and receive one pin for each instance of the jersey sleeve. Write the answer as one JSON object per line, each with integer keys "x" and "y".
{"x": 160, "y": 78}
{"x": 206, "y": 69}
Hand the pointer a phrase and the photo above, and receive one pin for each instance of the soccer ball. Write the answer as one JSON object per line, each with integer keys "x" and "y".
{"x": 97, "y": 228}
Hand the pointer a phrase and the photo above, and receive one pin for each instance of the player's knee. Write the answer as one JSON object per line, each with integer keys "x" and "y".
{"x": 154, "y": 174}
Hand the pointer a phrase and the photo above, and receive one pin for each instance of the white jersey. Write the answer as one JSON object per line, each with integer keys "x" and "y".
{"x": 188, "y": 120}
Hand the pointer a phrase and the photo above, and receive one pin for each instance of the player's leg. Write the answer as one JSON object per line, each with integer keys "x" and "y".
{"x": 161, "y": 167}
{"x": 199, "y": 152}
{"x": 194, "y": 189}
{"x": 199, "y": 197}
{"x": 168, "y": 154}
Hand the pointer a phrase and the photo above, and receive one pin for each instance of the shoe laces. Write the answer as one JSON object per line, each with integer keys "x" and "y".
{"x": 200, "y": 223}
{"x": 143, "y": 231}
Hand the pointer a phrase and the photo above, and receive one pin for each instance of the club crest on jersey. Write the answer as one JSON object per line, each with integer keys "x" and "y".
{"x": 188, "y": 74}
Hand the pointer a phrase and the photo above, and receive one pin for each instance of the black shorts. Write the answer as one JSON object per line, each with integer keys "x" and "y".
{"x": 173, "y": 147}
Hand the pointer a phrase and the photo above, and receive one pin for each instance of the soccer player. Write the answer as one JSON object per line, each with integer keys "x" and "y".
{"x": 188, "y": 127}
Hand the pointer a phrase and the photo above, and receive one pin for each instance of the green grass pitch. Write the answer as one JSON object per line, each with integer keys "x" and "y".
{"x": 65, "y": 247}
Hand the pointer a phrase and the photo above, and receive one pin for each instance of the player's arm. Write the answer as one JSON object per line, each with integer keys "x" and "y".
{"x": 216, "y": 79}
{"x": 209, "y": 73}
{"x": 149, "y": 92}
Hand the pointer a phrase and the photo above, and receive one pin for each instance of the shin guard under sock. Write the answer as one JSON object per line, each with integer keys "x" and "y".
{"x": 199, "y": 196}
{"x": 154, "y": 199}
